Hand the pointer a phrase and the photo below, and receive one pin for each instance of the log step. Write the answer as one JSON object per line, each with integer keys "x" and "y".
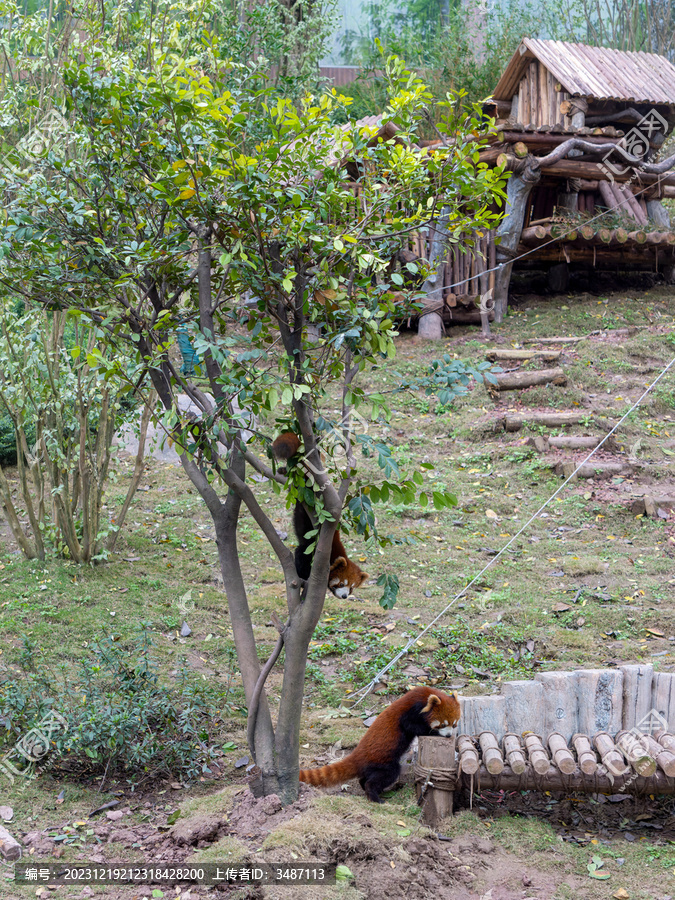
{"x": 552, "y": 419}
{"x": 596, "y": 469}
{"x": 504, "y": 355}
{"x": 518, "y": 381}
{"x": 650, "y": 506}
{"x": 570, "y": 442}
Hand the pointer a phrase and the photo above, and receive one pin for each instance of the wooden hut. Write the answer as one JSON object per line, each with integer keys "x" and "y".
{"x": 579, "y": 128}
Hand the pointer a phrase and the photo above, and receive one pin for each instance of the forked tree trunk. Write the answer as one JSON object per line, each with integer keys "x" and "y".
{"x": 509, "y": 231}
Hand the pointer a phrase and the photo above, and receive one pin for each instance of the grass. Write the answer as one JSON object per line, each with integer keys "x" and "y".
{"x": 615, "y": 571}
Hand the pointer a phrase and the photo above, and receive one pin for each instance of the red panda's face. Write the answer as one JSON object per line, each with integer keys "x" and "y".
{"x": 442, "y": 712}
{"x": 345, "y": 577}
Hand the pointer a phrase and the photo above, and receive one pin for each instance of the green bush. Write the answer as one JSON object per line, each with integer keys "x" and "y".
{"x": 120, "y": 719}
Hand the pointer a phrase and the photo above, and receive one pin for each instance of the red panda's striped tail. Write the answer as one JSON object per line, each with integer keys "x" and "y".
{"x": 335, "y": 773}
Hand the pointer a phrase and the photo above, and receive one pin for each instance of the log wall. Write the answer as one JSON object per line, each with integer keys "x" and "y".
{"x": 586, "y": 701}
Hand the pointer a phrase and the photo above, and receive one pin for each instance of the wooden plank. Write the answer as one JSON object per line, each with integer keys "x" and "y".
{"x": 542, "y": 112}
{"x": 637, "y": 694}
{"x": 600, "y": 693}
{"x": 663, "y": 698}
{"x": 486, "y": 713}
{"x": 524, "y": 705}
{"x": 560, "y": 703}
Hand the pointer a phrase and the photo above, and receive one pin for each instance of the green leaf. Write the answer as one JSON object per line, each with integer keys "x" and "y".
{"x": 424, "y": 500}
{"x": 173, "y": 818}
{"x": 391, "y": 588}
{"x": 343, "y": 873}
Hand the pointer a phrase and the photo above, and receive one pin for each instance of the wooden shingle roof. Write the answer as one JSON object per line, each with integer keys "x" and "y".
{"x": 597, "y": 72}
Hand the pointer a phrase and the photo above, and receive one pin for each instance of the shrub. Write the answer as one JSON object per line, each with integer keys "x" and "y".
{"x": 119, "y": 718}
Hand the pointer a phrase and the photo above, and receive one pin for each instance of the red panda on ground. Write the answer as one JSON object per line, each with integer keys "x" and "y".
{"x": 376, "y": 760}
{"x": 345, "y": 576}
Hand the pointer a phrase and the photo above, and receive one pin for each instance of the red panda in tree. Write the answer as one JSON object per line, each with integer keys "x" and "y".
{"x": 376, "y": 760}
{"x": 344, "y": 576}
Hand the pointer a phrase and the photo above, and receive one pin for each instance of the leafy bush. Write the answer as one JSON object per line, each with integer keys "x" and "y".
{"x": 120, "y": 719}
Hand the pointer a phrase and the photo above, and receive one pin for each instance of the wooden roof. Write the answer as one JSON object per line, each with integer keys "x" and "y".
{"x": 596, "y": 72}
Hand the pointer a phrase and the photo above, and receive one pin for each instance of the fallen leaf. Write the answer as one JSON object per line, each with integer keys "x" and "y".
{"x": 621, "y": 894}
{"x": 600, "y": 876}
{"x": 560, "y": 608}
{"x": 491, "y": 514}
{"x": 655, "y": 632}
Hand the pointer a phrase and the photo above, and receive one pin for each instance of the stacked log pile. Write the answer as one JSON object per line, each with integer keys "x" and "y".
{"x": 593, "y": 730}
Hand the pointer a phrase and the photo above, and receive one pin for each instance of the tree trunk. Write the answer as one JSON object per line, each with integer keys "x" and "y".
{"x": 430, "y": 327}
{"x": 517, "y": 192}
{"x": 430, "y": 324}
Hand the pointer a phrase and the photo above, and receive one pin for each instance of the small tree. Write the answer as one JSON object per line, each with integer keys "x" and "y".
{"x": 198, "y": 195}
{"x": 64, "y": 416}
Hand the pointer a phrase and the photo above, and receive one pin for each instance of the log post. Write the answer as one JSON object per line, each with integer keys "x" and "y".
{"x": 658, "y": 214}
{"x": 535, "y": 750}
{"x": 430, "y": 325}
{"x": 435, "y": 778}
{"x": 588, "y": 762}
{"x": 636, "y": 751}
{"x": 492, "y": 755}
{"x": 9, "y": 848}
{"x": 468, "y": 755}
{"x": 518, "y": 190}
{"x": 666, "y": 740}
{"x": 612, "y": 758}
{"x": 578, "y": 107}
{"x": 514, "y": 753}
{"x": 558, "y": 277}
{"x": 664, "y": 758}
{"x": 561, "y": 754}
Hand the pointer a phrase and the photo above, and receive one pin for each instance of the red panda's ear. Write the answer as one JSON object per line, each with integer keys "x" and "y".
{"x": 433, "y": 700}
{"x": 340, "y": 561}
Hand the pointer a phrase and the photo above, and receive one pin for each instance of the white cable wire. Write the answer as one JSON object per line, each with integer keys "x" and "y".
{"x": 363, "y": 692}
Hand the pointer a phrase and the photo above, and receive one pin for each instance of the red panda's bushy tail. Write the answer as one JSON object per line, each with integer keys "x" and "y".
{"x": 335, "y": 773}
